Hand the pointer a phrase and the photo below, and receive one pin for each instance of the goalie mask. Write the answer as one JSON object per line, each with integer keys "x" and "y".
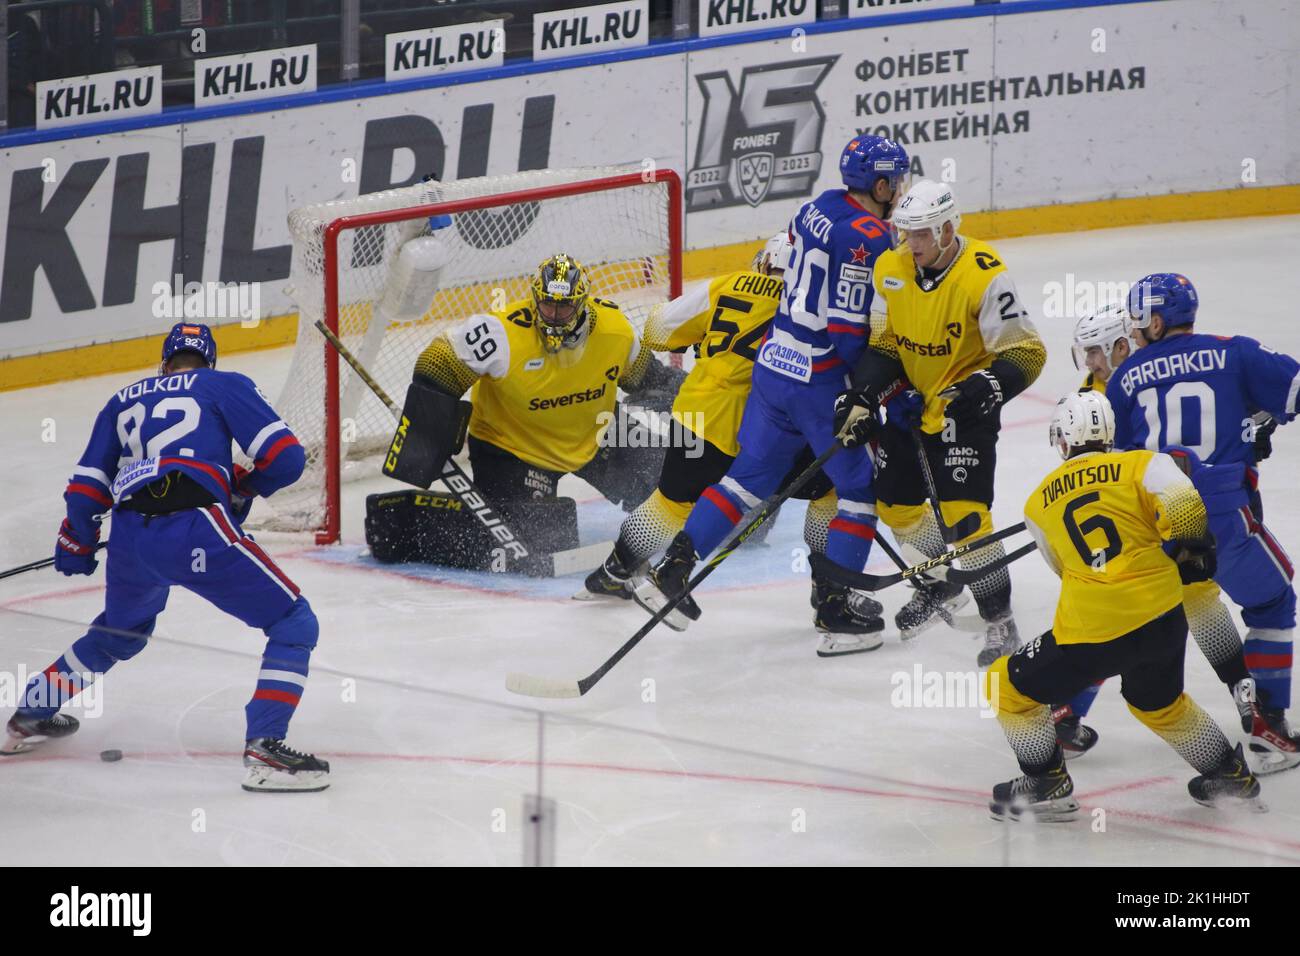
{"x": 560, "y": 291}
{"x": 1084, "y": 421}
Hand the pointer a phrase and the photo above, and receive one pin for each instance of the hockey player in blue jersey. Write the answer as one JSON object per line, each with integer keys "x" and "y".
{"x": 159, "y": 457}
{"x": 1198, "y": 395}
{"x": 819, "y": 330}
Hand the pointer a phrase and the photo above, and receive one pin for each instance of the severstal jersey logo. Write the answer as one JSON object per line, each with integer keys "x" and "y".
{"x": 759, "y": 141}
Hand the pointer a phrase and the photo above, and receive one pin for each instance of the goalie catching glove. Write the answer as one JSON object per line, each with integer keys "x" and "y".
{"x": 431, "y": 430}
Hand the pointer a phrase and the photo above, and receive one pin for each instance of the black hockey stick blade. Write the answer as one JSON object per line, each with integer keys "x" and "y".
{"x": 37, "y": 565}
{"x": 531, "y": 686}
{"x": 966, "y": 576}
{"x": 863, "y": 581}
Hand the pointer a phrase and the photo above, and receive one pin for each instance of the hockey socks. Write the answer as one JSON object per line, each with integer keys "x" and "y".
{"x": 81, "y": 665}
{"x": 283, "y": 676}
{"x": 1268, "y": 655}
{"x": 849, "y": 537}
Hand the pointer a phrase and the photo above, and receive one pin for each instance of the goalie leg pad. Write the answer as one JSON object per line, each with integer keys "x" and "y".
{"x": 431, "y": 430}
{"x": 434, "y": 528}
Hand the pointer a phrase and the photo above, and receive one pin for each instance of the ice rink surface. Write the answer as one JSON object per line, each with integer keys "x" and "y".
{"x": 732, "y": 743}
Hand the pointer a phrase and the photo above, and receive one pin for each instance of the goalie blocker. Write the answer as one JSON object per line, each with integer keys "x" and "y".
{"x": 432, "y": 429}
{"x": 435, "y": 528}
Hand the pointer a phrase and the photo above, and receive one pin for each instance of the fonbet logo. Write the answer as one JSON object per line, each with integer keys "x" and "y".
{"x": 760, "y": 140}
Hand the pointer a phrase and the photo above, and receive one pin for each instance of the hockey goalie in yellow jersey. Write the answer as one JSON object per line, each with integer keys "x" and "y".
{"x": 1124, "y": 531}
{"x": 543, "y": 375}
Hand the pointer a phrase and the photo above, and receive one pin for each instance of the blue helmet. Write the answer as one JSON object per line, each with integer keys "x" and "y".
{"x": 1171, "y": 295}
{"x": 868, "y": 158}
{"x": 190, "y": 337}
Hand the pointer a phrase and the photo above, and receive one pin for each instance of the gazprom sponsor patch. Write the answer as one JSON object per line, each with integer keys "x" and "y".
{"x": 134, "y": 474}
{"x": 786, "y": 360}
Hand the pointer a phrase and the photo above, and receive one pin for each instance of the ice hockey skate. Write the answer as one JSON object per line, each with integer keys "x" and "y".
{"x": 1230, "y": 784}
{"x": 274, "y": 767}
{"x": 1047, "y": 797}
{"x": 23, "y": 734}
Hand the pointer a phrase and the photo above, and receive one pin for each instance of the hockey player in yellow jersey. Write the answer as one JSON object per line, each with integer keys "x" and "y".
{"x": 724, "y": 319}
{"x": 948, "y": 325}
{"x": 1101, "y": 344}
{"x": 1103, "y": 522}
{"x": 543, "y": 374}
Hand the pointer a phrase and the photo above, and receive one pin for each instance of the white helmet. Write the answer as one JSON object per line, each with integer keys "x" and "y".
{"x": 927, "y": 205}
{"x": 775, "y": 254}
{"x": 1082, "y": 419}
{"x": 1103, "y": 329}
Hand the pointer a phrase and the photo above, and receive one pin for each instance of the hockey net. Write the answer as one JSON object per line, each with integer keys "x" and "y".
{"x": 389, "y": 270}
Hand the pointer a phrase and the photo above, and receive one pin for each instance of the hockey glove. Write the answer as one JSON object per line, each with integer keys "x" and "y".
{"x": 241, "y": 495}
{"x": 975, "y": 397}
{"x": 73, "y": 556}
{"x": 1196, "y": 560}
{"x": 905, "y": 410}
{"x": 857, "y": 417}
{"x": 1264, "y": 436}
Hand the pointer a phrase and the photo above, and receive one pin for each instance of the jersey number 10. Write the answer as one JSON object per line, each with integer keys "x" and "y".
{"x": 1176, "y": 431}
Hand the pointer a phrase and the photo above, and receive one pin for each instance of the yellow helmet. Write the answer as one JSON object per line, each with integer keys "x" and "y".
{"x": 560, "y": 291}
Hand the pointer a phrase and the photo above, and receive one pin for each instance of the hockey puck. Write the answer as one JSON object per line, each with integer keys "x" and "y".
{"x": 109, "y": 756}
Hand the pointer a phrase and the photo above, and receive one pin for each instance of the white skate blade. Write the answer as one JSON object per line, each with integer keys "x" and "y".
{"x": 1053, "y": 811}
{"x": 13, "y": 746}
{"x": 1268, "y": 761}
{"x": 652, "y": 599}
{"x": 582, "y": 594}
{"x": 549, "y": 687}
{"x": 839, "y": 645}
{"x": 264, "y": 779}
{"x": 1231, "y": 804}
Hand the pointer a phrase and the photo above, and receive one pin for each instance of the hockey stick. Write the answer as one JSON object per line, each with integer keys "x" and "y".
{"x": 552, "y": 687}
{"x": 971, "y": 575}
{"x": 964, "y": 528}
{"x": 552, "y": 564}
{"x": 944, "y": 614}
{"x": 863, "y": 581}
{"x": 37, "y": 565}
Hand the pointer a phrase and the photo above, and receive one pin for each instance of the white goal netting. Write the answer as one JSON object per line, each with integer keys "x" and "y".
{"x": 399, "y": 283}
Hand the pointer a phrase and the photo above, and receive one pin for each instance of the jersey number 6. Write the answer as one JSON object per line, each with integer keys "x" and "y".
{"x": 1079, "y": 530}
